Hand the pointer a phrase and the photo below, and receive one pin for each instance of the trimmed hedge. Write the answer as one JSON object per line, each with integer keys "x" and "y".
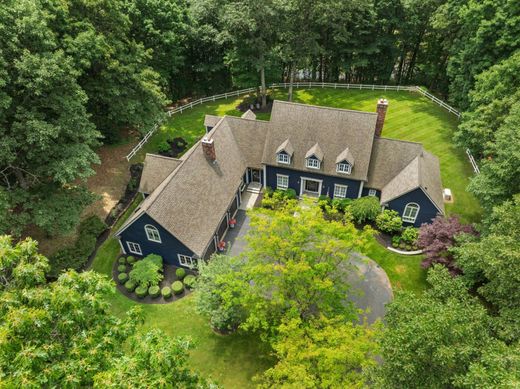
{"x": 166, "y": 292}
{"x": 154, "y": 291}
{"x": 131, "y": 260}
{"x": 76, "y": 256}
{"x": 121, "y": 268}
{"x": 122, "y": 261}
{"x": 130, "y": 285}
{"x": 189, "y": 281}
{"x": 122, "y": 278}
{"x": 141, "y": 291}
{"x": 180, "y": 273}
{"x": 177, "y": 287}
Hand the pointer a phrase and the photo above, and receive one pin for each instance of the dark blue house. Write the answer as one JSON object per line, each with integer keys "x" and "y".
{"x": 189, "y": 202}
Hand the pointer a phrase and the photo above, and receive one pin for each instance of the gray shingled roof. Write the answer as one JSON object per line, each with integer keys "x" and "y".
{"x": 316, "y": 151}
{"x": 211, "y": 120}
{"x": 422, "y": 172}
{"x": 345, "y": 155}
{"x": 156, "y": 169}
{"x": 250, "y": 137}
{"x": 286, "y": 146}
{"x": 250, "y": 115}
{"x": 334, "y": 129}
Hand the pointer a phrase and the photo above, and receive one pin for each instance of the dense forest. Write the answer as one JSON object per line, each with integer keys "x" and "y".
{"x": 75, "y": 73}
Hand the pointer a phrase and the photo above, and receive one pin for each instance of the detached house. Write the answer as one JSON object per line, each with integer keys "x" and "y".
{"x": 313, "y": 150}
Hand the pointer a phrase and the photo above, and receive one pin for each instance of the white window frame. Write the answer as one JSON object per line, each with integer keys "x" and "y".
{"x": 282, "y": 177}
{"x": 152, "y": 233}
{"x": 344, "y": 167}
{"x": 406, "y": 213}
{"x": 372, "y": 192}
{"x": 284, "y": 158}
{"x": 313, "y": 163}
{"x": 187, "y": 261}
{"x": 339, "y": 187}
{"x": 134, "y": 248}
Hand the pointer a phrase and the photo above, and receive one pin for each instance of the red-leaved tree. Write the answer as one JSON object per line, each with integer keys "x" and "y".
{"x": 436, "y": 238}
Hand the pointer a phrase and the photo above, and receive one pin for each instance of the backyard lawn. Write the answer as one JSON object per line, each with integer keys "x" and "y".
{"x": 234, "y": 360}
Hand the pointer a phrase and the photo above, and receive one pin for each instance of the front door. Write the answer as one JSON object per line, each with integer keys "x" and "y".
{"x": 255, "y": 175}
{"x": 311, "y": 187}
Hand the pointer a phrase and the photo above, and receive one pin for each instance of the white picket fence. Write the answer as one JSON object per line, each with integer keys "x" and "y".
{"x": 305, "y": 84}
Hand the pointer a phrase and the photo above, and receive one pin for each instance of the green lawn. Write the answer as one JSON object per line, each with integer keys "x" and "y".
{"x": 234, "y": 360}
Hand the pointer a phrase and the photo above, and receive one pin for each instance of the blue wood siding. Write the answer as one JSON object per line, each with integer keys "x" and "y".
{"x": 327, "y": 184}
{"x": 427, "y": 210}
{"x": 168, "y": 249}
{"x": 365, "y": 192}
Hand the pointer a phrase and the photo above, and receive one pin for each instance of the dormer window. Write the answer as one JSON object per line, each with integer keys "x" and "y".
{"x": 344, "y": 167}
{"x": 313, "y": 163}
{"x": 284, "y": 158}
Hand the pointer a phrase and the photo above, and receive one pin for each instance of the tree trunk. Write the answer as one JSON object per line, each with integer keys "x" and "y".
{"x": 21, "y": 178}
{"x": 263, "y": 91}
{"x": 291, "y": 81}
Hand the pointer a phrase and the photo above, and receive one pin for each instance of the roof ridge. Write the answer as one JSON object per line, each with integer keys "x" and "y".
{"x": 322, "y": 107}
{"x": 244, "y": 119}
{"x": 401, "y": 141}
{"x": 163, "y": 156}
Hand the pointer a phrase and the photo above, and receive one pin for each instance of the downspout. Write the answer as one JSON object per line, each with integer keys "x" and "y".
{"x": 360, "y": 189}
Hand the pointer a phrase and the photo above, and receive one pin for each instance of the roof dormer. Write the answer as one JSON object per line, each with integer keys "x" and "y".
{"x": 345, "y": 162}
{"x": 314, "y": 157}
{"x": 284, "y": 152}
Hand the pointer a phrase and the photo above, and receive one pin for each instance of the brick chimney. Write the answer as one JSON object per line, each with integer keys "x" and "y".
{"x": 382, "y": 106}
{"x": 208, "y": 147}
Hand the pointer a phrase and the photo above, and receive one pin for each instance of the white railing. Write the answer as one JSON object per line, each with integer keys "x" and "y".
{"x": 305, "y": 84}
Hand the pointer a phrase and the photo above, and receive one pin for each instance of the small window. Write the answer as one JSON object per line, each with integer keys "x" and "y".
{"x": 282, "y": 182}
{"x": 134, "y": 248}
{"x": 187, "y": 261}
{"x": 410, "y": 212}
{"x": 284, "y": 158}
{"x": 152, "y": 233}
{"x": 344, "y": 167}
{"x": 372, "y": 192}
{"x": 340, "y": 191}
{"x": 313, "y": 163}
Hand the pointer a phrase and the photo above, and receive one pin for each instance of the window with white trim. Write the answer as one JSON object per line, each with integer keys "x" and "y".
{"x": 152, "y": 233}
{"x": 344, "y": 167}
{"x": 410, "y": 212}
{"x": 187, "y": 261}
{"x": 313, "y": 163}
{"x": 134, "y": 248}
{"x": 340, "y": 191}
{"x": 282, "y": 182}
{"x": 372, "y": 192}
{"x": 284, "y": 158}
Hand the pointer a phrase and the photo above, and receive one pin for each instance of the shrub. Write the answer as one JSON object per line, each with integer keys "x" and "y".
{"x": 148, "y": 271}
{"x": 290, "y": 194}
{"x": 278, "y": 199}
{"x": 164, "y": 147}
{"x": 141, "y": 291}
{"x": 365, "y": 209}
{"x": 122, "y": 261}
{"x": 130, "y": 285}
{"x": 268, "y": 191}
{"x": 341, "y": 204}
{"x": 410, "y": 235}
{"x": 189, "y": 281}
{"x": 402, "y": 245}
{"x": 121, "y": 268}
{"x": 154, "y": 291}
{"x": 396, "y": 239}
{"x": 389, "y": 221}
{"x": 395, "y": 245}
{"x": 177, "y": 287}
{"x": 166, "y": 292}
{"x": 122, "y": 278}
{"x": 92, "y": 225}
{"x": 180, "y": 273}
{"x": 131, "y": 260}
{"x": 408, "y": 247}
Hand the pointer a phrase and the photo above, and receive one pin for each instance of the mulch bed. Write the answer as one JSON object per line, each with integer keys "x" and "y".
{"x": 254, "y": 105}
{"x": 177, "y": 146}
{"x": 169, "y": 277}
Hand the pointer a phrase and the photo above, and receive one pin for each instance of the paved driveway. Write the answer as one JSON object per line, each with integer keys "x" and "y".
{"x": 370, "y": 286}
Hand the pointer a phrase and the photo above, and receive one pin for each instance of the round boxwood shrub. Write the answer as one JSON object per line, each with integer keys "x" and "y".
{"x": 166, "y": 292}
{"x": 131, "y": 260}
{"x": 130, "y": 285}
{"x": 121, "y": 268}
{"x": 189, "y": 281}
{"x": 122, "y": 261}
{"x": 122, "y": 278}
{"x": 180, "y": 273}
{"x": 177, "y": 287}
{"x": 141, "y": 291}
{"x": 154, "y": 291}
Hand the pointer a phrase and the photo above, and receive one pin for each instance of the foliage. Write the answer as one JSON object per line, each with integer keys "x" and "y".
{"x": 177, "y": 287}
{"x": 410, "y": 235}
{"x": 130, "y": 285}
{"x": 389, "y": 221}
{"x": 154, "y": 291}
{"x": 219, "y": 287}
{"x": 131, "y": 260}
{"x": 141, "y": 291}
{"x": 148, "y": 271}
{"x": 180, "y": 273}
{"x": 122, "y": 278}
{"x": 190, "y": 281}
{"x": 365, "y": 209}
{"x": 166, "y": 292}
{"x": 437, "y": 238}
{"x": 76, "y": 256}
{"x": 324, "y": 353}
{"x": 121, "y": 268}
{"x": 279, "y": 199}
{"x": 122, "y": 261}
